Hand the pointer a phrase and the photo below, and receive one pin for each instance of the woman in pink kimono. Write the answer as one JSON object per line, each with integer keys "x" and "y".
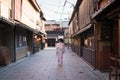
{"x": 60, "y": 51}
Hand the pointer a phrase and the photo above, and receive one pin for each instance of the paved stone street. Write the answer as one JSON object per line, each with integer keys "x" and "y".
{"x": 43, "y": 66}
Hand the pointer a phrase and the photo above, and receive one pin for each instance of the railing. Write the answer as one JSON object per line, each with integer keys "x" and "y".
{"x": 77, "y": 50}
{"x": 89, "y": 56}
{"x": 100, "y": 9}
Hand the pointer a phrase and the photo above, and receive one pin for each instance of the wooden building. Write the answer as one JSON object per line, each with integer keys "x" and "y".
{"x": 82, "y": 31}
{"x": 54, "y": 32}
{"x": 106, "y": 19}
{"x": 94, "y": 28}
{"x": 18, "y": 28}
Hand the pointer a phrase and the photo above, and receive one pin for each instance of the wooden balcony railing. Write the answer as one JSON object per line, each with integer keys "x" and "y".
{"x": 98, "y": 8}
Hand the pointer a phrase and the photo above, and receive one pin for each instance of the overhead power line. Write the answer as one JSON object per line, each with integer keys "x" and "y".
{"x": 49, "y": 4}
{"x": 66, "y": 1}
{"x": 70, "y": 3}
{"x": 61, "y": 5}
{"x": 63, "y": 8}
{"x": 45, "y": 8}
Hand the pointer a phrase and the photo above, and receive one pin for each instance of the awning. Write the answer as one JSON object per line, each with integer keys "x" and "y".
{"x": 5, "y": 20}
{"x": 42, "y": 33}
{"x": 17, "y": 23}
{"x": 22, "y": 25}
{"x": 83, "y": 29}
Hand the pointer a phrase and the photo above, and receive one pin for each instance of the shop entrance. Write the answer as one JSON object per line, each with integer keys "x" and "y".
{"x": 51, "y": 42}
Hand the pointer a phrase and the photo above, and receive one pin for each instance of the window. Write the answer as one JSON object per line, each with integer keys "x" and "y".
{"x": 21, "y": 41}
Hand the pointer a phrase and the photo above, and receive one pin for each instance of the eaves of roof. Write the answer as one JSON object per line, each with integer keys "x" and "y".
{"x": 6, "y": 20}
{"x": 75, "y": 9}
{"x": 37, "y": 7}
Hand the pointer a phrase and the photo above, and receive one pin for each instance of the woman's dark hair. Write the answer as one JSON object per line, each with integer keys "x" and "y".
{"x": 60, "y": 40}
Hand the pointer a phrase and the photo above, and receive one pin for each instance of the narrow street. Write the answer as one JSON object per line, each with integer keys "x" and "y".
{"x": 43, "y": 66}
{"x": 31, "y": 29}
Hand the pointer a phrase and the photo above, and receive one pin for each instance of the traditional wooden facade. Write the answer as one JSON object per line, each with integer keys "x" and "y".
{"x": 27, "y": 26}
{"x": 106, "y": 25}
{"x": 18, "y": 28}
{"x": 6, "y": 33}
{"x": 83, "y": 31}
{"x": 98, "y": 34}
{"x": 54, "y": 32}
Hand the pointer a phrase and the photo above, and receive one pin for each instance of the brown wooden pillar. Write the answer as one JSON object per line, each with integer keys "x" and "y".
{"x": 119, "y": 36}
{"x": 96, "y": 43}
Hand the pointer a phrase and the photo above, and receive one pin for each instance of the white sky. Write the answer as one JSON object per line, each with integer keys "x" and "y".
{"x": 53, "y": 9}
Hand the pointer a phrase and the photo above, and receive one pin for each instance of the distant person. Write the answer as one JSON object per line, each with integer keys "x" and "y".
{"x": 60, "y": 49}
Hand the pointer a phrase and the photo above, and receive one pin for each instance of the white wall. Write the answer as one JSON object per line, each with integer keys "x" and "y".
{"x": 5, "y": 6}
{"x": 30, "y": 16}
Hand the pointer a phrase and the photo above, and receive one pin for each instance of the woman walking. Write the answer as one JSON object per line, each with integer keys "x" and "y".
{"x": 60, "y": 49}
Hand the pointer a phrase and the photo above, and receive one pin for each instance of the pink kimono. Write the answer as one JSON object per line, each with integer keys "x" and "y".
{"x": 59, "y": 52}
